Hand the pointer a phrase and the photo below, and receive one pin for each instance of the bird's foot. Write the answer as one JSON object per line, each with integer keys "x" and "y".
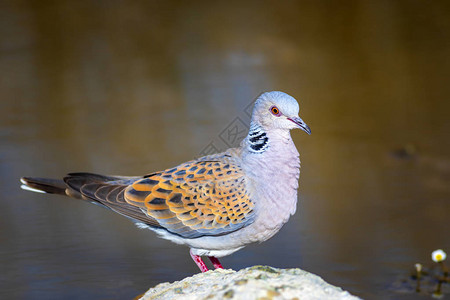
{"x": 215, "y": 261}
{"x": 200, "y": 263}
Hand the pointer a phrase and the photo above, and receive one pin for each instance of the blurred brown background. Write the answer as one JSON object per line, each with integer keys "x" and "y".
{"x": 130, "y": 87}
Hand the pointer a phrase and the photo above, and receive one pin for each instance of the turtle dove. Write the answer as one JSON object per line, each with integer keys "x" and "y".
{"x": 215, "y": 204}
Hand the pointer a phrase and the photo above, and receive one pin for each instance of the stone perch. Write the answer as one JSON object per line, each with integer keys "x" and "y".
{"x": 258, "y": 282}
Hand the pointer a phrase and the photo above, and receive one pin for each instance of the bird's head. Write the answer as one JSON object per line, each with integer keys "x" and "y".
{"x": 278, "y": 110}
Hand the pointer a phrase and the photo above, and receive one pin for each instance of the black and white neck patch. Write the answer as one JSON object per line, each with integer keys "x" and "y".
{"x": 257, "y": 139}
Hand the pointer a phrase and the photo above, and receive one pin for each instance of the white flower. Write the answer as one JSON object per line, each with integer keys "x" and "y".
{"x": 438, "y": 255}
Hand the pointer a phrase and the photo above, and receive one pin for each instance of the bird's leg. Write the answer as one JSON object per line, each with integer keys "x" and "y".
{"x": 215, "y": 261}
{"x": 198, "y": 260}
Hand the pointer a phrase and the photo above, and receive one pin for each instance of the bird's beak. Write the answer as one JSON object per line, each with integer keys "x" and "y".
{"x": 302, "y": 125}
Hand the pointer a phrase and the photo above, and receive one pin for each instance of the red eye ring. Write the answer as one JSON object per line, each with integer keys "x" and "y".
{"x": 275, "y": 111}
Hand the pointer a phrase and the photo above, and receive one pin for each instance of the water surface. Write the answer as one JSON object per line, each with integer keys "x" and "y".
{"x": 128, "y": 88}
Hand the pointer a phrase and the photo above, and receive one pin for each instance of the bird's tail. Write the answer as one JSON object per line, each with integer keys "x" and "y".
{"x": 44, "y": 185}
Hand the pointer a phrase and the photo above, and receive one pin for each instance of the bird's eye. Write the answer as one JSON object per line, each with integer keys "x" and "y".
{"x": 275, "y": 111}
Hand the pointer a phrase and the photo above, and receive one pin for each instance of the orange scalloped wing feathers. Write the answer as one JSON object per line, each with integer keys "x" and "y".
{"x": 197, "y": 198}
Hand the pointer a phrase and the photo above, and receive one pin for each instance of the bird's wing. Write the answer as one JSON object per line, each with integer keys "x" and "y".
{"x": 206, "y": 197}
{"x": 197, "y": 198}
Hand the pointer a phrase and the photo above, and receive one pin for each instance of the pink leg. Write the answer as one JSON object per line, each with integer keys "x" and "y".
{"x": 215, "y": 261}
{"x": 198, "y": 260}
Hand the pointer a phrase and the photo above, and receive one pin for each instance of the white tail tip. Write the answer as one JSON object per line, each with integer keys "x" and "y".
{"x": 26, "y": 187}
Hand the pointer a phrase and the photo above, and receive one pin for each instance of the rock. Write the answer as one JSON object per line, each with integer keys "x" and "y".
{"x": 258, "y": 282}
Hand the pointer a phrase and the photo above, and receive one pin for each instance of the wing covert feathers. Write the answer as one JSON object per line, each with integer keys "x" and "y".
{"x": 195, "y": 199}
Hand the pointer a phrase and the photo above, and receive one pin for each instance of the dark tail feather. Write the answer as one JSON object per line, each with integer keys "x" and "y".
{"x": 44, "y": 185}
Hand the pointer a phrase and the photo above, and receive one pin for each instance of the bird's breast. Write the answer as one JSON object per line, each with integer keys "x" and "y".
{"x": 273, "y": 183}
